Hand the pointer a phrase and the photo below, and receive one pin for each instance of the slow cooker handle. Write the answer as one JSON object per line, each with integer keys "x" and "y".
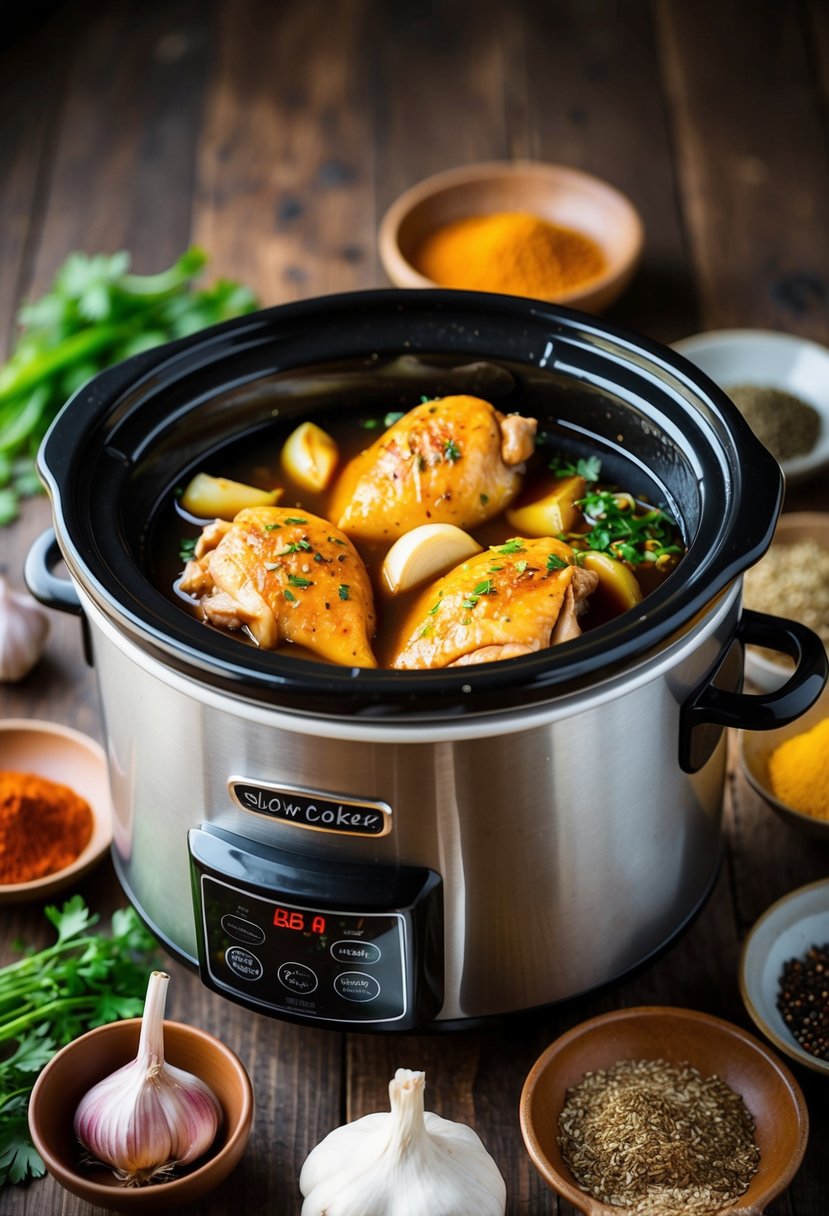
{"x": 45, "y": 586}
{"x": 710, "y": 705}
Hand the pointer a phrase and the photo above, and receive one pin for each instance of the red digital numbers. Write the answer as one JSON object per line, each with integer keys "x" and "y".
{"x": 290, "y": 918}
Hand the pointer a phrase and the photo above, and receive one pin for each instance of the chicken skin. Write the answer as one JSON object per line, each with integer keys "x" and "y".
{"x": 511, "y": 600}
{"x": 455, "y": 460}
{"x": 285, "y": 576}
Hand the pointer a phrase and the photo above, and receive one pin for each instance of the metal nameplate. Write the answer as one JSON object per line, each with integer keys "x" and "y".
{"x": 321, "y": 812}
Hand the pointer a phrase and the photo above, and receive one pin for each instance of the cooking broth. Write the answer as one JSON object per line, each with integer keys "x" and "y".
{"x": 354, "y": 401}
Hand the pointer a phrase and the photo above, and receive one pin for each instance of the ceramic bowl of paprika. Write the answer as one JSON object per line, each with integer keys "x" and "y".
{"x": 677, "y": 1036}
{"x": 68, "y": 758}
{"x": 71, "y": 1073}
{"x": 565, "y": 197}
{"x": 788, "y": 930}
{"x": 756, "y": 749}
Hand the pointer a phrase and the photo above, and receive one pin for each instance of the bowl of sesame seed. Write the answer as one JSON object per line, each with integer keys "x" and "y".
{"x": 784, "y": 975}
{"x": 663, "y": 1112}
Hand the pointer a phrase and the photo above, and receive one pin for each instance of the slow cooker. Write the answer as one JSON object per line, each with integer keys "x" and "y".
{"x": 383, "y": 850}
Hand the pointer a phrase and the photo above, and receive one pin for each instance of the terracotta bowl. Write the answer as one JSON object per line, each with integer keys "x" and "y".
{"x": 60, "y": 754}
{"x": 755, "y": 749}
{"x": 93, "y": 1056}
{"x": 764, "y": 668}
{"x": 556, "y": 193}
{"x": 786, "y": 930}
{"x": 677, "y": 1035}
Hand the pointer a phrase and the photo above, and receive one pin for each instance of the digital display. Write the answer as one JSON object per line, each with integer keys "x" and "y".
{"x": 292, "y": 918}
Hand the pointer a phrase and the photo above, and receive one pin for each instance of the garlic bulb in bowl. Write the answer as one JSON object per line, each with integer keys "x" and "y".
{"x": 23, "y": 630}
{"x": 406, "y": 1162}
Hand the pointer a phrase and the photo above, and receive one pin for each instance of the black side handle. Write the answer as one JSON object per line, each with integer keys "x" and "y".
{"x": 710, "y": 705}
{"x": 45, "y": 586}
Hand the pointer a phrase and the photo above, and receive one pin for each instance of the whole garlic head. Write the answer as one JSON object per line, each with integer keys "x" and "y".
{"x": 23, "y": 630}
{"x": 407, "y": 1162}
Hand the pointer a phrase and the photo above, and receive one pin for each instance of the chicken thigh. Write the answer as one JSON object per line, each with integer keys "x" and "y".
{"x": 455, "y": 460}
{"x": 285, "y": 576}
{"x": 511, "y": 600}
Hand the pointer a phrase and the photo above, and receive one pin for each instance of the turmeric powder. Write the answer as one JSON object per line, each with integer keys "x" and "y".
{"x": 799, "y": 771}
{"x": 508, "y": 252}
{"x": 44, "y": 826}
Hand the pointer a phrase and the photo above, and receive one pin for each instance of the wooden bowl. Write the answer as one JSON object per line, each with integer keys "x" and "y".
{"x": 59, "y": 754}
{"x": 74, "y": 1070}
{"x": 563, "y": 196}
{"x": 786, "y": 930}
{"x": 677, "y": 1035}
{"x": 755, "y": 749}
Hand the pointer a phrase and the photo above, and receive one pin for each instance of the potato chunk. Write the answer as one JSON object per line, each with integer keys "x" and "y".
{"x": 220, "y": 498}
{"x": 555, "y": 511}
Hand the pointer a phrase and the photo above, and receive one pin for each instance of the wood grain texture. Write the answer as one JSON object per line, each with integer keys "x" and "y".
{"x": 276, "y": 135}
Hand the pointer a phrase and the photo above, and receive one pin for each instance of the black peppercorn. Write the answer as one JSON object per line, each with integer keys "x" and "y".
{"x": 803, "y": 999}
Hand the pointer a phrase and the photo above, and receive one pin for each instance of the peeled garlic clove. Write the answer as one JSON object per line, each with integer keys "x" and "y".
{"x": 24, "y": 627}
{"x": 424, "y": 553}
{"x": 209, "y": 497}
{"x": 148, "y": 1117}
{"x": 310, "y": 456}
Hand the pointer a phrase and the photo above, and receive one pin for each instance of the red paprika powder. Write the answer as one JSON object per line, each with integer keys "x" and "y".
{"x": 44, "y": 826}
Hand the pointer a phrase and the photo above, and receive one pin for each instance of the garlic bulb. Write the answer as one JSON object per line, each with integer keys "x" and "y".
{"x": 410, "y": 1162}
{"x": 23, "y": 630}
{"x": 148, "y": 1117}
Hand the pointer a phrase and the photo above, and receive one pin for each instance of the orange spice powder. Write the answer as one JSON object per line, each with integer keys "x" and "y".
{"x": 44, "y": 826}
{"x": 509, "y": 252}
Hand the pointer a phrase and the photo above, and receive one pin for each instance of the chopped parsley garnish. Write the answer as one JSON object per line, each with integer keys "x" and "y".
{"x": 186, "y": 548}
{"x": 295, "y": 548}
{"x": 431, "y": 611}
{"x": 512, "y": 546}
{"x": 392, "y": 417}
{"x": 589, "y": 468}
{"x": 483, "y": 588}
{"x": 272, "y": 527}
{"x": 554, "y": 562}
{"x": 451, "y": 450}
{"x": 289, "y": 595}
{"x": 345, "y": 591}
{"x": 521, "y": 566}
{"x": 296, "y": 580}
{"x": 335, "y": 540}
{"x": 295, "y": 519}
{"x": 623, "y": 529}
{"x": 370, "y": 424}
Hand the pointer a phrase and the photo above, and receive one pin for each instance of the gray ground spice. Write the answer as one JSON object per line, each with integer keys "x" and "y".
{"x": 658, "y": 1139}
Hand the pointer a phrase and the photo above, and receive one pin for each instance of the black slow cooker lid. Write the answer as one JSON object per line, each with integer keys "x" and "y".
{"x": 120, "y": 443}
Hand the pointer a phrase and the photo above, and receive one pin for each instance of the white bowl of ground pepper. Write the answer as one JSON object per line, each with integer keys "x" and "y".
{"x": 780, "y": 383}
{"x": 663, "y": 1110}
{"x": 784, "y": 975}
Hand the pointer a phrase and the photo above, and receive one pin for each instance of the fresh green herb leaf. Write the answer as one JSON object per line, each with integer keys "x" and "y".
{"x": 431, "y": 611}
{"x": 484, "y": 588}
{"x": 295, "y": 519}
{"x": 589, "y": 468}
{"x": 289, "y": 595}
{"x": 296, "y": 580}
{"x": 512, "y": 546}
{"x": 451, "y": 451}
{"x": 521, "y": 566}
{"x": 554, "y": 562}
{"x": 272, "y": 527}
{"x": 370, "y": 424}
{"x": 335, "y": 540}
{"x": 345, "y": 591}
{"x": 627, "y": 530}
{"x": 392, "y": 417}
{"x": 186, "y": 548}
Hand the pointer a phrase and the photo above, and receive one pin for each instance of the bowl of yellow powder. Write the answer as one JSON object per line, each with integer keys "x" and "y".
{"x": 789, "y": 768}
{"x": 523, "y": 228}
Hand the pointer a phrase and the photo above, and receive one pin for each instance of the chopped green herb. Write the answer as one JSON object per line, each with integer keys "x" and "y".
{"x": 431, "y": 611}
{"x": 521, "y": 566}
{"x": 495, "y": 569}
{"x": 392, "y": 417}
{"x": 319, "y": 558}
{"x": 289, "y": 595}
{"x": 345, "y": 591}
{"x": 554, "y": 562}
{"x": 296, "y": 580}
{"x": 295, "y": 548}
{"x": 272, "y": 527}
{"x": 512, "y": 546}
{"x": 484, "y": 499}
{"x": 186, "y": 548}
{"x": 335, "y": 540}
{"x": 484, "y": 588}
{"x": 426, "y": 630}
{"x": 295, "y": 519}
{"x": 625, "y": 529}
{"x": 451, "y": 451}
{"x": 589, "y": 468}
{"x": 370, "y": 424}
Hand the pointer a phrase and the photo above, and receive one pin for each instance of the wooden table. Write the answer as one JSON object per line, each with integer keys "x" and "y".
{"x": 275, "y": 134}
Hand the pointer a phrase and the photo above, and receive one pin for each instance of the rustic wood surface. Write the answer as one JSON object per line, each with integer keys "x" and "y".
{"x": 275, "y": 134}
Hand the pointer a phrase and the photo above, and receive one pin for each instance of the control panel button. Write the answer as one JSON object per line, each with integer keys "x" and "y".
{"x": 355, "y": 986}
{"x": 243, "y": 930}
{"x": 243, "y": 963}
{"x": 356, "y": 952}
{"x": 296, "y": 977}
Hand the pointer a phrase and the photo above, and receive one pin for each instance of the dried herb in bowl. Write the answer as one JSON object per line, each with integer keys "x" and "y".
{"x": 783, "y": 423}
{"x": 658, "y": 1139}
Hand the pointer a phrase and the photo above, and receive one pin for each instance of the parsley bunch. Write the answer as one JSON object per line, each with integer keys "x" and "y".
{"x": 49, "y": 998}
{"x": 95, "y": 314}
{"x": 622, "y": 528}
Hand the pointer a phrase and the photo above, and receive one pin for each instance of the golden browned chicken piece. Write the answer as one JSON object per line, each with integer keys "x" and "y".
{"x": 511, "y": 600}
{"x": 455, "y": 460}
{"x": 285, "y": 576}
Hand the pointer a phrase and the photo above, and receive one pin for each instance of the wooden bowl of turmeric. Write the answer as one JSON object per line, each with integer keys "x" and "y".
{"x": 523, "y": 228}
{"x": 55, "y": 808}
{"x": 789, "y": 768}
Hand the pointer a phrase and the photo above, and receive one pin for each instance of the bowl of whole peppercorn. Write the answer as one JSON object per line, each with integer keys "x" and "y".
{"x": 784, "y": 975}
{"x": 780, "y": 384}
{"x": 657, "y": 1109}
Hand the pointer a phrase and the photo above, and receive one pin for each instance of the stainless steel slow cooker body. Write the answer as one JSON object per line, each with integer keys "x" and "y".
{"x": 387, "y": 851}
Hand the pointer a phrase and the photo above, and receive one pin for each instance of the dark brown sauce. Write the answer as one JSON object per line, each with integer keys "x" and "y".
{"x": 256, "y": 461}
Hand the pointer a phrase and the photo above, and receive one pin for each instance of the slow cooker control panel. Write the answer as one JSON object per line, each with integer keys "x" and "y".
{"x": 325, "y": 942}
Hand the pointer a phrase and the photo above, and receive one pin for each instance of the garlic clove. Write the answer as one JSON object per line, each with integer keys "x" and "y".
{"x": 425, "y": 552}
{"x": 310, "y": 456}
{"x": 408, "y": 1162}
{"x": 24, "y": 628}
{"x": 148, "y": 1118}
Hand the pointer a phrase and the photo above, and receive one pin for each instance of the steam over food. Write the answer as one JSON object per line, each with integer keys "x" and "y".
{"x": 472, "y": 541}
